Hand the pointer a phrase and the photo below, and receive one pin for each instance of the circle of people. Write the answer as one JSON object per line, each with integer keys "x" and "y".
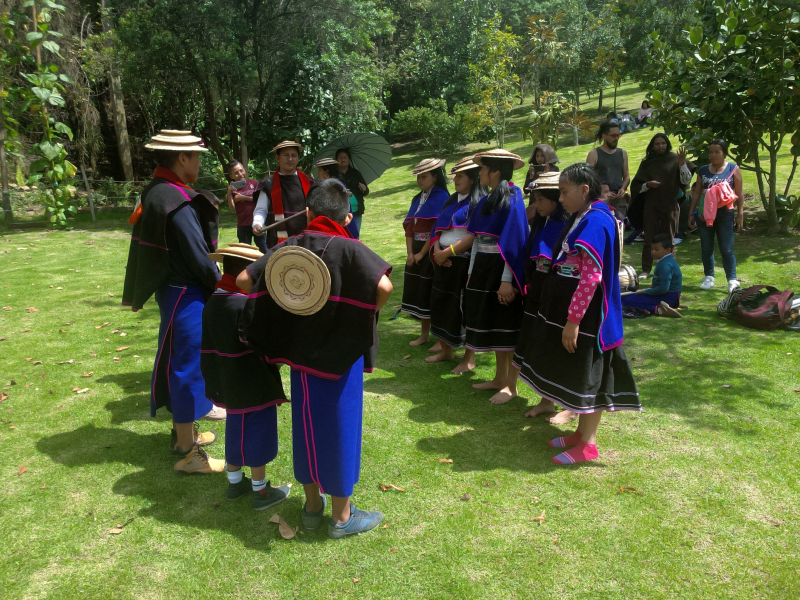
{"x": 537, "y": 282}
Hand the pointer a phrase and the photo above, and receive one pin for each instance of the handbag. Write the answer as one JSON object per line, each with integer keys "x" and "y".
{"x": 764, "y": 307}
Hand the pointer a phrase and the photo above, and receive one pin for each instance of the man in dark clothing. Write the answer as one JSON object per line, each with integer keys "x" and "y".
{"x": 611, "y": 164}
{"x": 357, "y": 185}
{"x": 174, "y": 229}
{"x": 282, "y": 196}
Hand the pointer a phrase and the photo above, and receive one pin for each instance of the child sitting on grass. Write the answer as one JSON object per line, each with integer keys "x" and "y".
{"x": 665, "y": 294}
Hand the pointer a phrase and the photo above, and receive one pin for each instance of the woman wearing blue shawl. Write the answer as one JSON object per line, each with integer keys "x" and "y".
{"x": 493, "y": 300}
{"x": 418, "y": 224}
{"x": 546, "y": 227}
{"x": 578, "y": 361}
{"x": 452, "y": 268}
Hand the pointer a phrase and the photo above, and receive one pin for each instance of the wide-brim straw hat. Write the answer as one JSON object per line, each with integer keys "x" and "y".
{"x": 546, "y": 181}
{"x": 245, "y": 251}
{"x": 298, "y": 280}
{"x": 176, "y": 140}
{"x": 465, "y": 164}
{"x": 429, "y": 164}
{"x": 502, "y": 155}
{"x": 325, "y": 162}
{"x": 288, "y": 144}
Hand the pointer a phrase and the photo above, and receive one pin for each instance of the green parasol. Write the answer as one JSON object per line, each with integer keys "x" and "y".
{"x": 369, "y": 153}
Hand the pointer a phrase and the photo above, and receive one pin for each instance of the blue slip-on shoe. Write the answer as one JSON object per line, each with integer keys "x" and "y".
{"x": 312, "y": 520}
{"x": 359, "y": 522}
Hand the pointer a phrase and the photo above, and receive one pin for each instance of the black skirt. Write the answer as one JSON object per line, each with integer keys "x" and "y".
{"x": 587, "y": 381}
{"x": 417, "y": 285}
{"x": 533, "y": 297}
{"x": 491, "y": 326}
{"x": 447, "y": 301}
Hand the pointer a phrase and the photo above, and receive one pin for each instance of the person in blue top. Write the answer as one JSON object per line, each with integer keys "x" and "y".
{"x": 665, "y": 294}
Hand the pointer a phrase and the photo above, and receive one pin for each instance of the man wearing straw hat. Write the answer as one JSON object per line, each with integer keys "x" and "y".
{"x": 282, "y": 197}
{"x": 174, "y": 229}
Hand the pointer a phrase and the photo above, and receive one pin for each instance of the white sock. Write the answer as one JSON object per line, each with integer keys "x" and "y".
{"x": 259, "y": 485}
{"x": 235, "y": 476}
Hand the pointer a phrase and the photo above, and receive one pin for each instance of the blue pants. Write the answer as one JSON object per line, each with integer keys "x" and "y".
{"x": 650, "y": 303}
{"x": 354, "y": 226}
{"x": 251, "y": 439}
{"x": 244, "y": 234}
{"x": 723, "y": 229}
{"x": 326, "y": 429}
{"x": 177, "y": 382}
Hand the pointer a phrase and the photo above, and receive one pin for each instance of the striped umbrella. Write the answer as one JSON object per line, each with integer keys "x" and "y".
{"x": 369, "y": 153}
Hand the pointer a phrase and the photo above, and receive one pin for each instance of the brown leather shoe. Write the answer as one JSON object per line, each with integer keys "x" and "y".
{"x": 198, "y": 461}
{"x": 205, "y": 438}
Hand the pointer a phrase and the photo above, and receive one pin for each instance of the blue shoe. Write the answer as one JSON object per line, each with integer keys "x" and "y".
{"x": 359, "y": 522}
{"x": 312, "y": 520}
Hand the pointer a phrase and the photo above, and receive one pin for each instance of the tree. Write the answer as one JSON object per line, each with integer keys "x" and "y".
{"x": 542, "y": 48}
{"x": 496, "y": 83}
{"x": 740, "y": 82}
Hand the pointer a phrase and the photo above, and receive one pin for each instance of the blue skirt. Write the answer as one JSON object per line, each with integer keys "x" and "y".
{"x": 177, "y": 382}
{"x": 326, "y": 429}
{"x": 251, "y": 438}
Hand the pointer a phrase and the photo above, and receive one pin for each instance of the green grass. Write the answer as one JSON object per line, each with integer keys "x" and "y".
{"x": 716, "y": 466}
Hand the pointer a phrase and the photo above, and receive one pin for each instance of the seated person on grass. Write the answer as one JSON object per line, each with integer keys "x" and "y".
{"x": 664, "y": 296}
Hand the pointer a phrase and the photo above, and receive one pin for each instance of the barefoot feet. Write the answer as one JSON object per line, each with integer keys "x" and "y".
{"x": 466, "y": 365}
{"x": 423, "y": 339}
{"x": 440, "y": 356}
{"x": 545, "y": 407}
{"x": 437, "y": 347}
{"x": 503, "y": 395}
{"x": 489, "y": 385}
{"x": 562, "y": 418}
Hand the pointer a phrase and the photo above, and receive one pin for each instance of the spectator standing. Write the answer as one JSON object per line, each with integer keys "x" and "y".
{"x": 240, "y": 201}
{"x": 355, "y": 182}
{"x": 611, "y": 164}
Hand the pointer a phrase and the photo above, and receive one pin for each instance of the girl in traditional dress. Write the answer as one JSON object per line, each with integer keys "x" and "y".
{"x": 493, "y": 300}
{"x": 546, "y": 228}
{"x": 422, "y": 215}
{"x": 452, "y": 266}
{"x": 578, "y": 360}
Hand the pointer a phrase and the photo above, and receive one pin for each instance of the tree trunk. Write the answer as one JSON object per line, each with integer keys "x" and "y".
{"x": 243, "y": 129}
{"x": 213, "y": 136}
{"x": 118, "y": 109}
{"x": 772, "y": 215}
{"x": 7, "y": 214}
{"x": 233, "y": 116}
{"x": 772, "y": 220}
{"x": 615, "y": 98}
{"x": 600, "y": 102}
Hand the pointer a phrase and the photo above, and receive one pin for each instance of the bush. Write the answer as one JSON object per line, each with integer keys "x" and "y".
{"x": 440, "y": 131}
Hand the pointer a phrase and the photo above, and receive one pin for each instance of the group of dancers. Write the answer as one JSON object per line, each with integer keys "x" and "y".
{"x": 543, "y": 296}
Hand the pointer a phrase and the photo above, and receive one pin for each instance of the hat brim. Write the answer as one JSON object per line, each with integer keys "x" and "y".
{"x": 518, "y": 162}
{"x": 438, "y": 164}
{"x": 176, "y": 147}
{"x": 244, "y": 253}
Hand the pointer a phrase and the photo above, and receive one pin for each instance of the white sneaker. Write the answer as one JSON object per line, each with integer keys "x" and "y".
{"x": 732, "y": 285}
{"x": 644, "y": 275}
{"x": 707, "y": 283}
{"x": 677, "y": 241}
{"x": 216, "y": 414}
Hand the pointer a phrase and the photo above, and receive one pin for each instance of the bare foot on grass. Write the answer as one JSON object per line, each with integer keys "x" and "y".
{"x": 423, "y": 339}
{"x": 503, "y": 396}
{"x": 561, "y": 418}
{"x": 441, "y": 356}
{"x": 489, "y": 385}
{"x": 545, "y": 407}
{"x": 437, "y": 347}
{"x": 465, "y": 366}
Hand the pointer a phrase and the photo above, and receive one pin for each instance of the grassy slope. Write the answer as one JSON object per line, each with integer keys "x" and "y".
{"x": 715, "y": 465}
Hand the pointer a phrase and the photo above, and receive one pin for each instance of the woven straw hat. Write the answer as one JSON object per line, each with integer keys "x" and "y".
{"x": 176, "y": 141}
{"x": 298, "y": 280}
{"x": 501, "y": 154}
{"x": 465, "y": 164}
{"x": 545, "y": 181}
{"x": 287, "y": 144}
{"x": 324, "y": 162}
{"x": 245, "y": 251}
{"x": 429, "y": 164}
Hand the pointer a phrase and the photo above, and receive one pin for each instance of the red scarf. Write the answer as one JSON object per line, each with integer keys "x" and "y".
{"x": 329, "y": 226}
{"x": 228, "y": 283}
{"x": 277, "y": 199}
{"x": 161, "y": 173}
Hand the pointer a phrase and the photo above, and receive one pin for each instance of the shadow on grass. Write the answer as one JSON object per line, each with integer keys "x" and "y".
{"x": 197, "y": 502}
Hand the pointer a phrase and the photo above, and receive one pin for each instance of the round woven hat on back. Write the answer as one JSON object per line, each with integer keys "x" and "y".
{"x": 245, "y": 251}
{"x": 503, "y": 155}
{"x": 429, "y": 164}
{"x": 546, "y": 181}
{"x": 176, "y": 140}
{"x": 465, "y": 164}
{"x": 298, "y": 280}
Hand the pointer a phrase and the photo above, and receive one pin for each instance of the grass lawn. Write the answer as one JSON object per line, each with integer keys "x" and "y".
{"x": 712, "y": 459}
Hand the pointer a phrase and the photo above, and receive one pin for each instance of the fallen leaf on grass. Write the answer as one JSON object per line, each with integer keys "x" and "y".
{"x": 407, "y": 356}
{"x": 286, "y": 532}
{"x": 110, "y": 295}
{"x": 633, "y": 490}
{"x": 3, "y": 339}
{"x": 445, "y": 460}
{"x": 62, "y": 331}
{"x": 6, "y": 308}
{"x": 36, "y": 362}
{"x": 3, "y": 396}
{"x": 118, "y": 529}
{"x": 540, "y": 518}
{"x": 390, "y": 486}
{"x": 392, "y": 549}
{"x": 123, "y": 334}
{"x": 691, "y": 321}
{"x": 797, "y": 390}
{"x": 26, "y": 330}
{"x": 275, "y": 519}
{"x": 13, "y": 427}
{"x": 113, "y": 331}
{"x": 121, "y": 348}
{"x": 466, "y": 497}
{"x": 29, "y": 359}
{"x": 32, "y": 309}
{"x": 22, "y": 470}
{"x": 102, "y": 325}
{"x": 727, "y": 385}
{"x": 66, "y": 362}
{"x": 89, "y": 374}
{"x": 116, "y": 359}
{"x": 59, "y": 288}
{"x": 356, "y": 579}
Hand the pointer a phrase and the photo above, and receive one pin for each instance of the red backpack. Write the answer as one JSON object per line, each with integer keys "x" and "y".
{"x": 764, "y": 307}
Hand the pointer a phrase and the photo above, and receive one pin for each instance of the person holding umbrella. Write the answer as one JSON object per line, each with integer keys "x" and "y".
{"x": 355, "y": 182}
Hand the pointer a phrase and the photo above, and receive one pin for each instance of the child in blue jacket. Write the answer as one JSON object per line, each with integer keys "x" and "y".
{"x": 665, "y": 294}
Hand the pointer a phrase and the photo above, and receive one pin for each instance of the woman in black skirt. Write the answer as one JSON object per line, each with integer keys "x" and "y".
{"x": 422, "y": 215}
{"x": 578, "y": 361}
{"x": 493, "y": 299}
{"x": 451, "y": 267}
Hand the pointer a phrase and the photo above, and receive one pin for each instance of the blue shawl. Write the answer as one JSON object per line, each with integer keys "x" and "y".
{"x": 454, "y": 215}
{"x": 596, "y": 233}
{"x": 432, "y": 207}
{"x": 546, "y": 238}
{"x": 509, "y": 227}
